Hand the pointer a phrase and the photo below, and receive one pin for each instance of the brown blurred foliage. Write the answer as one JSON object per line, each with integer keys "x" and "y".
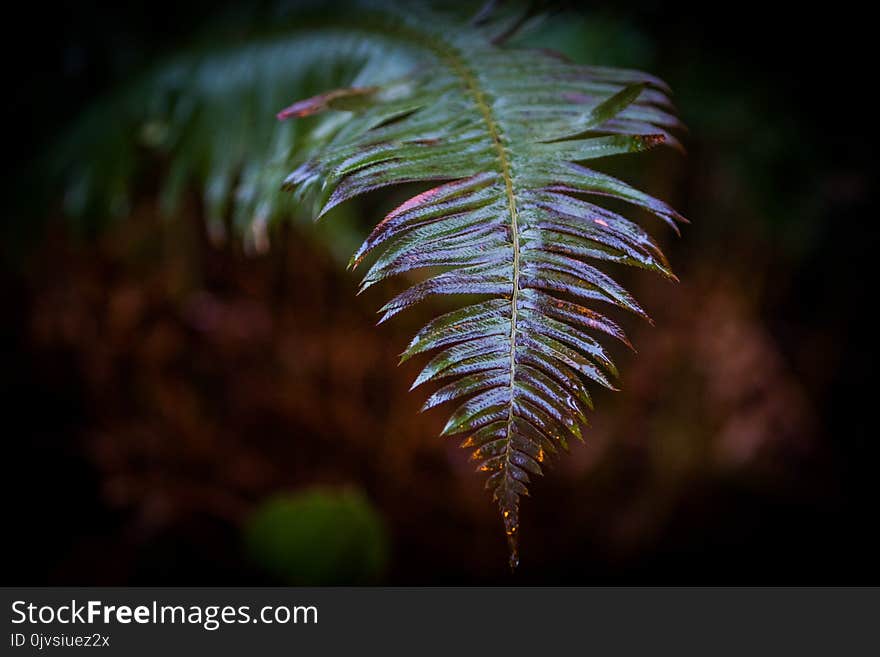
{"x": 211, "y": 380}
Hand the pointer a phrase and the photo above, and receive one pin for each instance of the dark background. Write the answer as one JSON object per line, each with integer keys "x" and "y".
{"x": 154, "y": 401}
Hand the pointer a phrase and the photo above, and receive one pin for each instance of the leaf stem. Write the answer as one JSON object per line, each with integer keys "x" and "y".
{"x": 510, "y": 513}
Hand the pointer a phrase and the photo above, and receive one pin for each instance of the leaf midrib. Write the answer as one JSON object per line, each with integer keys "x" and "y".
{"x": 456, "y": 62}
{"x": 449, "y": 54}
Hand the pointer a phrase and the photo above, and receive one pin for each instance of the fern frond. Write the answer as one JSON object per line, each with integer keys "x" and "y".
{"x": 516, "y": 218}
{"x": 515, "y": 215}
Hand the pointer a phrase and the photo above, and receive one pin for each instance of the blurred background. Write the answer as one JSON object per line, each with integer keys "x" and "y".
{"x": 181, "y": 412}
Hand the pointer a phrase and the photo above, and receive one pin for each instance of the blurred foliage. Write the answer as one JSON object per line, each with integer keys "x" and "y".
{"x": 207, "y": 389}
{"x": 318, "y": 537}
{"x": 206, "y": 119}
{"x": 598, "y": 37}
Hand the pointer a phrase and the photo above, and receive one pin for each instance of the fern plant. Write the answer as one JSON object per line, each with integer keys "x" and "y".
{"x": 513, "y": 217}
